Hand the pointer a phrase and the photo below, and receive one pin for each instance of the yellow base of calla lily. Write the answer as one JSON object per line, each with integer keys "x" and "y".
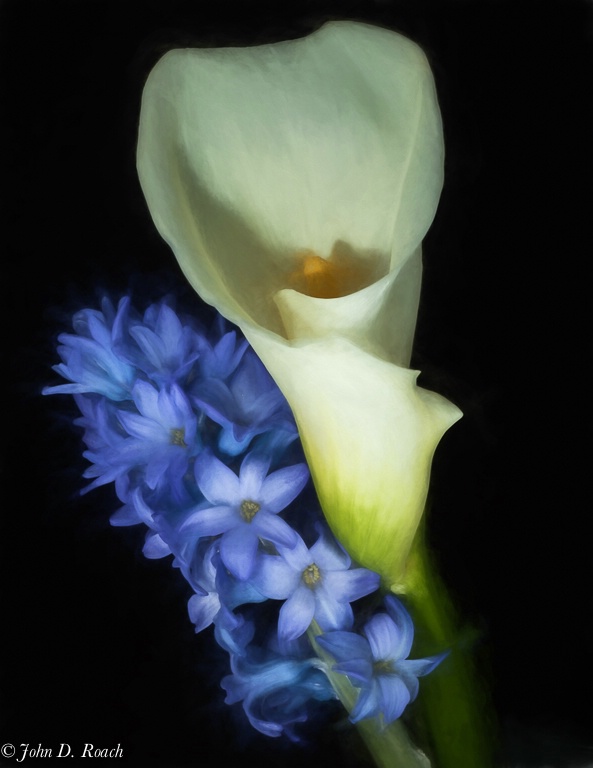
{"x": 341, "y": 274}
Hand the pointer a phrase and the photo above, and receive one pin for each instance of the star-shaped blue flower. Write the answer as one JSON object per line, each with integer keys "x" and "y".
{"x": 162, "y": 433}
{"x": 317, "y": 583}
{"x": 378, "y": 663}
{"x": 245, "y": 508}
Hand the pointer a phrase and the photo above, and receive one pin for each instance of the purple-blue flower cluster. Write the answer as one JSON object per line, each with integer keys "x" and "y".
{"x": 202, "y": 449}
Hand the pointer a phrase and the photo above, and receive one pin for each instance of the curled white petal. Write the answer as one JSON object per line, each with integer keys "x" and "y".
{"x": 369, "y": 433}
{"x": 248, "y": 156}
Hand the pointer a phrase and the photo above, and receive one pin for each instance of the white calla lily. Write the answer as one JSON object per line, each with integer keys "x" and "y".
{"x": 295, "y": 182}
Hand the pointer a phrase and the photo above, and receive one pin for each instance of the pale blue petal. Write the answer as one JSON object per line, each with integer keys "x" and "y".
{"x": 297, "y": 556}
{"x": 176, "y": 408}
{"x": 155, "y": 548}
{"x": 169, "y": 328}
{"x": 403, "y": 621}
{"x": 150, "y": 345}
{"x": 274, "y": 578}
{"x": 238, "y": 549}
{"x": 296, "y": 614}
{"x": 216, "y": 400}
{"x": 225, "y": 347}
{"x": 274, "y": 529}
{"x": 410, "y": 680}
{"x": 346, "y": 586}
{"x": 202, "y": 609}
{"x": 67, "y": 389}
{"x": 142, "y": 428}
{"x": 345, "y": 646}
{"x": 330, "y": 614}
{"x": 232, "y": 632}
{"x": 367, "y": 705}
{"x": 273, "y": 730}
{"x": 227, "y": 442}
{"x": 328, "y": 554}
{"x": 358, "y": 671}
{"x": 211, "y": 521}
{"x": 156, "y": 468}
{"x": 97, "y": 329}
{"x": 125, "y": 515}
{"x": 383, "y": 637}
{"x": 421, "y": 667}
{"x": 209, "y": 568}
{"x": 145, "y": 513}
{"x": 394, "y": 696}
{"x": 253, "y": 472}
{"x": 146, "y": 399}
{"x": 218, "y": 483}
{"x": 169, "y": 411}
{"x": 242, "y": 592}
{"x": 283, "y": 486}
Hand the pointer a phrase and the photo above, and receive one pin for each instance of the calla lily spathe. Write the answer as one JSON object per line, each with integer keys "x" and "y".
{"x": 295, "y": 182}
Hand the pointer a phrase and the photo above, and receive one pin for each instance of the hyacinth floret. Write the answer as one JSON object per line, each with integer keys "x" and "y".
{"x": 376, "y": 662}
{"x": 245, "y": 405}
{"x": 316, "y": 583}
{"x": 163, "y": 347}
{"x": 202, "y": 450}
{"x": 221, "y": 351}
{"x": 89, "y": 358}
{"x": 276, "y": 692}
{"x": 244, "y": 508}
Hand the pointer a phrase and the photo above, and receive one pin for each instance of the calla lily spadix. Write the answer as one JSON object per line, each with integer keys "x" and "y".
{"x": 294, "y": 182}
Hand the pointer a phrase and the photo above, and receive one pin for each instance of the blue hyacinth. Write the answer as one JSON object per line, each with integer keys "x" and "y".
{"x": 90, "y": 360}
{"x": 276, "y": 692}
{"x": 377, "y": 662}
{"x": 316, "y": 583}
{"x": 202, "y": 450}
{"x": 244, "y": 508}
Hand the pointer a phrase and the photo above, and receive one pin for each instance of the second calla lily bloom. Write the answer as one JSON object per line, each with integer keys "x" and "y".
{"x": 295, "y": 182}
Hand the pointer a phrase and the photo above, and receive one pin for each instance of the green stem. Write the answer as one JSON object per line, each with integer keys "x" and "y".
{"x": 451, "y": 716}
{"x": 453, "y": 707}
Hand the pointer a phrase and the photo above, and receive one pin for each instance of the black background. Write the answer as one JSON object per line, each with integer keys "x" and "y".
{"x": 97, "y": 644}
